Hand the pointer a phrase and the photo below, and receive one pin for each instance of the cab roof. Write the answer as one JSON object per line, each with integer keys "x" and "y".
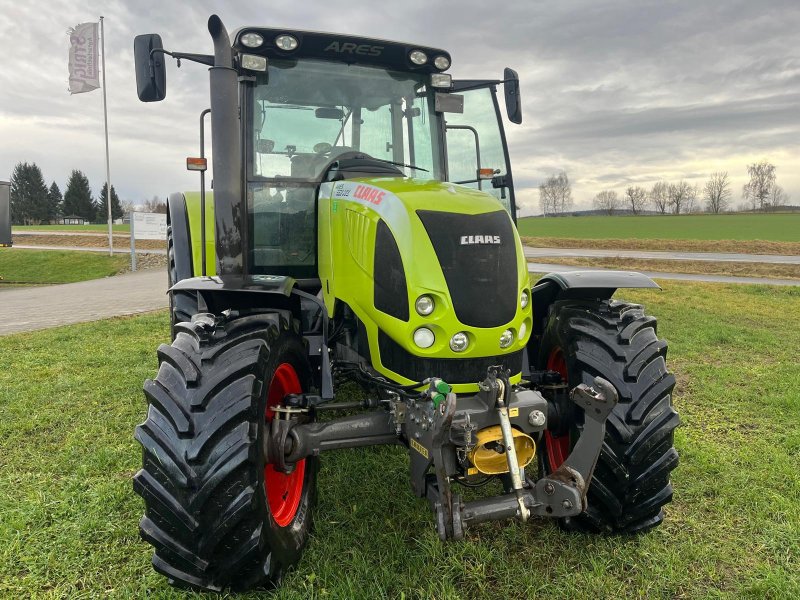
{"x": 338, "y": 47}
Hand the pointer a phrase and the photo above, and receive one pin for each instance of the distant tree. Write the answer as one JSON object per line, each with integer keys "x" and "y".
{"x": 29, "y": 202}
{"x": 102, "y": 206}
{"x": 555, "y": 195}
{"x": 607, "y": 201}
{"x": 637, "y": 198}
{"x": 659, "y": 196}
{"x": 717, "y": 192}
{"x": 155, "y": 205}
{"x": 78, "y": 199}
{"x": 681, "y": 196}
{"x": 762, "y": 179}
{"x": 777, "y": 198}
{"x": 127, "y": 206}
{"x": 54, "y": 199}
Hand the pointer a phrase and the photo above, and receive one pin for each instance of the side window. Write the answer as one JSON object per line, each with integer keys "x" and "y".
{"x": 474, "y": 142}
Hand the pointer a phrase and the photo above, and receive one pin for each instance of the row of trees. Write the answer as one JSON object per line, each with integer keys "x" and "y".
{"x": 760, "y": 193}
{"x": 33, "y": 203}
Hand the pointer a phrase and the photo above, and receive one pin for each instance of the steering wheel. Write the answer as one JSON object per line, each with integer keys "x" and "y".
{"x": 326, "y": 150}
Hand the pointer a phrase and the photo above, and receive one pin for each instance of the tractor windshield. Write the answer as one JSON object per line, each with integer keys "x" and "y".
{"x": 303, "y": 115}
{"x": 307, "y": 112}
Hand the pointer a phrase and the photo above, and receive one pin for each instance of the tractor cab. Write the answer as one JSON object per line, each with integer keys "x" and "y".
{"x": 316, "y": 107}
{"x": 327, "y": 107}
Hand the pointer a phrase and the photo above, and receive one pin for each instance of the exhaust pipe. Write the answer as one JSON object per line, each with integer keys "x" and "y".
{"x": 229, "y": 209}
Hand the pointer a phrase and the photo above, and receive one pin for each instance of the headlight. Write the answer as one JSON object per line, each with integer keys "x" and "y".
{"x": 252, "y": 40}
{"x": 441, "y": 63}
{"x": 286, "y": 42}
{"x": 418, "y": 57}
{"x": 459, "y": 342}
{"x": 523, "y": 330}
{"x": 506, "y": 338}
{"x": 251, "y": 62}
{"x": 524, "y": 298}
{"x": 424, "y": 305}
{"x": 424, "y": 338}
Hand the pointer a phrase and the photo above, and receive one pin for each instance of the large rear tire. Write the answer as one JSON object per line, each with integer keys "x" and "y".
{"x": 617, "y": 341}
{"x": 217, "y": 516}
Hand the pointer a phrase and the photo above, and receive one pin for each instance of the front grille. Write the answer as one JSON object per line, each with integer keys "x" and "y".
{"x": 453, "y": 370}
{"x": 481, "y": 277}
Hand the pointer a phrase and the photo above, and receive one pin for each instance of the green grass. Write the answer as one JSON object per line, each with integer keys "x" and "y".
{"x": 56, "y": 266}
{"x": 774, "y": 227}
{"x": 71, "y": 397}
{"x": 77, "y": 228}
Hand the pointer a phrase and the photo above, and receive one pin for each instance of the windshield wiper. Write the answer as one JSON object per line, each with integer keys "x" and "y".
{"x": 399, "y": 164}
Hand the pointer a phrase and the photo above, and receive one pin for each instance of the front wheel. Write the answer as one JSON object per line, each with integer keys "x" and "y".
{"x": 617, "y": 341}
{"x": 217, "y": 516}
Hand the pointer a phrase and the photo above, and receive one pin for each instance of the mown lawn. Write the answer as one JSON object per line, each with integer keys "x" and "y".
{"x": 18, "y": 266}
{"x": 70, "y": 398}
{"x": 775, "y": 227}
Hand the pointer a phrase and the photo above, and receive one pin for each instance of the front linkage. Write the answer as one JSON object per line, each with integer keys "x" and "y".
{"x": 456, "y": 440}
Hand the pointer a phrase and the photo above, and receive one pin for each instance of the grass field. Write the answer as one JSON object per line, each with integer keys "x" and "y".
{"x": 56, "y": 266}
{"x": 771, "y": 227}
{"x": 76, "y": 228}
{"x": 71, "y": 397}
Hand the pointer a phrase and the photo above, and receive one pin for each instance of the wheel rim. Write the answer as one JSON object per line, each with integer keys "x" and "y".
{"x": 283, "y": 491}
{"x": 557, "y": 446}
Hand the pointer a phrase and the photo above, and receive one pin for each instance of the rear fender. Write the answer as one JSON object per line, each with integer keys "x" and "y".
{"x": 181, "y": 247}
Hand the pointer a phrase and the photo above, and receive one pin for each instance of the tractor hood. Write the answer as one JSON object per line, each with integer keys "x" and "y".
{"x": 395, "y": 239}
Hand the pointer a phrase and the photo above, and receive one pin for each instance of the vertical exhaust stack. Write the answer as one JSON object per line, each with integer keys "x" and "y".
{"x": 229, "y": 209}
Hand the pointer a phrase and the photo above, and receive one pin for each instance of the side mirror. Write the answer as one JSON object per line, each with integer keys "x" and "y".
{"x": 151, "y": 72}
{"x": 513, "y": 104}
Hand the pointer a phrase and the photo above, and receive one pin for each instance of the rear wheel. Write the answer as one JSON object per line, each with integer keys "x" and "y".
{"x": 215, "y": 513}
{"x": 618, "y": 342}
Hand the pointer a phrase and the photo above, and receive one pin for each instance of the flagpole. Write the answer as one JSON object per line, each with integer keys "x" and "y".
{"x": 105, "y": 120}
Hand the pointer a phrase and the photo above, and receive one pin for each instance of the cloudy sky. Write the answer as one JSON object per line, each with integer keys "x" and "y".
{"x": 614, "y": 93}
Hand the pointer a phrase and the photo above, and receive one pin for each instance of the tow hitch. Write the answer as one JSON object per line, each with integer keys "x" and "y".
{"x": 559, "y": 494}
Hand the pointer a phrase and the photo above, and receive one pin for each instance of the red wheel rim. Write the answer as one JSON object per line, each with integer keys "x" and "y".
{"x": 283, "y": 491}
{"x": 557, "y": 446}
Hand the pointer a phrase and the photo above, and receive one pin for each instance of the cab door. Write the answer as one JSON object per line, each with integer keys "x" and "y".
{"x": 477, "y": 154}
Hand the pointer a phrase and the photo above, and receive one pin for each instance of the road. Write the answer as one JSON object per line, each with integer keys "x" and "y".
{"x": 31, "y": 308}
{"x": 663, "y": 255}
{"x": 553, "y": 268}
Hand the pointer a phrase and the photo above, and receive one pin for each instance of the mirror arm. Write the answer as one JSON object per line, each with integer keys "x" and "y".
{"x": 205, "y": 59}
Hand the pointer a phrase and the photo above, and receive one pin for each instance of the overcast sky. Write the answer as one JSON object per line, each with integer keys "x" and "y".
{"x": 614, "y": 93}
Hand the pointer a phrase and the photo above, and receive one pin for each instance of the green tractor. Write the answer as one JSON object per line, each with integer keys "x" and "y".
{"x": 362, "y": 229}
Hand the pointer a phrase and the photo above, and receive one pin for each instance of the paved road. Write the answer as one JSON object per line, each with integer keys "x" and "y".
{"x": 117, "y": 249}
{"x": 663, "y": 255}
{"x": 27, "y": 309}
{"x": 551, "y": 268}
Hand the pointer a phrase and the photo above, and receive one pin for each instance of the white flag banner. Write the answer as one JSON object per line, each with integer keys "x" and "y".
{"x": 84, "y": 74}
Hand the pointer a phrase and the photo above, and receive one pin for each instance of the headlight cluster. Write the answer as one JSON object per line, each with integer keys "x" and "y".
{"x": 418, "y": 57}
{"x": 425, "y": 338}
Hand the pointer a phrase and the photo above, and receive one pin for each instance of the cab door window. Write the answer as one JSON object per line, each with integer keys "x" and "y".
{"x": 474, "y": 143}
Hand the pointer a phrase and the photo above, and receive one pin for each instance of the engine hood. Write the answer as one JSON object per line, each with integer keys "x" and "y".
{"x": 394, "y": 239}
